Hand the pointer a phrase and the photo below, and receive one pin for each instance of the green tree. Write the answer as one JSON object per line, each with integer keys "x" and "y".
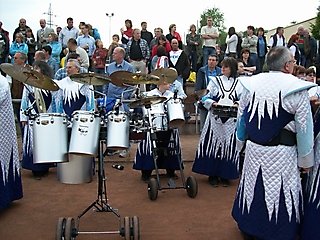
{"x": 315, "y": 28}
{"x": 218, "y": 22}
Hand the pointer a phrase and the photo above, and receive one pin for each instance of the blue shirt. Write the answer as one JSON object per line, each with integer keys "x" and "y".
{"x": 84, "y": 40}
{"x": 113, "y": 91}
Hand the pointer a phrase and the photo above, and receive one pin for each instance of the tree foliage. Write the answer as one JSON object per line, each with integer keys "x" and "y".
{"x": 218, "y": 21}
{"x": 315, "y": 28}
{"x": 217, "y": 16}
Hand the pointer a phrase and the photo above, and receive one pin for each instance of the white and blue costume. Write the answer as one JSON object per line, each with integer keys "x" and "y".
{"x": 144, "y": 157}
{"x": 310, "y": 223}
{"x": 268, "y": 202}
{"x": 72, "y": 96}
{"x": 216, "y": 154}
{"x": 28, "y": 98}
{"x": 10, "y": 172}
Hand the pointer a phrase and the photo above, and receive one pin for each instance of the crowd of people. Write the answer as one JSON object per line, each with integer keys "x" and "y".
{"x": 269, "y": 140}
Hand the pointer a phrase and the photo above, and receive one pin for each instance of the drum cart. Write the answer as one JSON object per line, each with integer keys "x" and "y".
{"x": 154, "y": 184}
{"x": 69, "y": 228}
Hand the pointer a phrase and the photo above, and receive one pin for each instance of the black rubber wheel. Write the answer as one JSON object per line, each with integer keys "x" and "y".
{"x": 69, "y": 231}
{"x": 153, "y": 189}
{"x": 192, "y": 187}
{"x": 61, "y": 226}
{"x": 127, "y": 235}
{"x": 135, "y": 227}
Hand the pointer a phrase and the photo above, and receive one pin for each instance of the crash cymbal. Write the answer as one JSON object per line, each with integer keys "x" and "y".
{"x": 147, "y": 101}
{"x": 191, "y": 98}
{"x": 195, "y": 96}
{"x": 28, "y": 76}
{"x": 166, "y": 74}
{"x": 200, "y": 93}
{"x": 121, "y": 78}
{"x": 91, "y": 78}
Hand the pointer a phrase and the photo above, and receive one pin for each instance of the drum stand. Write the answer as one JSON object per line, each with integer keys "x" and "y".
{"x": 68, "y": 228}
{"x": 154, "y": 184}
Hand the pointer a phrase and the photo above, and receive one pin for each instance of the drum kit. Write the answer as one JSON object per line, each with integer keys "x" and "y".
{"x": 91, "y": 132}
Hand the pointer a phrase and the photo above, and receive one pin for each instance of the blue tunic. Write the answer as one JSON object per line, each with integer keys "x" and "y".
{"x": 268, "y": 202}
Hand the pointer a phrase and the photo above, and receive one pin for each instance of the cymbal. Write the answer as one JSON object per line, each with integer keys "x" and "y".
{"x": 195, "y": 96}
{"x": 91, "y": 78}
{"x": 149, "y": 100}
{"x": 120, "y": 78}
{"x": 200, "y": 93}
{"x": 28, "y": 76}
{"x": 166, "y": 74}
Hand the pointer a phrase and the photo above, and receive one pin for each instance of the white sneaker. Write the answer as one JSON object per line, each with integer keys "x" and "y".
{"x": 124, "y": 153}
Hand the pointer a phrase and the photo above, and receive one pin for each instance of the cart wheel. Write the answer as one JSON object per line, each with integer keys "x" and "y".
{"x": 61, "y": 226}
{"x": 192, "y": 187}
{"x": 153, "y": 189}
{"x": 69, "y": 231}
{"x": 135, "y": 227}
{"x": 127, "y": 228}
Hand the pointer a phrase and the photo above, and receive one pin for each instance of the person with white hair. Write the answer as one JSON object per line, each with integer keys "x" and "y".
{"x": 72, "y": 96}
{"x": 275, "y": 123}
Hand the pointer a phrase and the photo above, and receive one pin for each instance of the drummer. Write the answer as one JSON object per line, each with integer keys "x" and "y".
{"x": 72, "y": 96}
{"x": 167, "y": 158}
{"x": 28, "y": 101}
{"x": 216, "y": 155}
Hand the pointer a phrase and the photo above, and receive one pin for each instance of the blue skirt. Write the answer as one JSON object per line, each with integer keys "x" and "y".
{"x": 310, "y": 225}
{"x": 168, "y": 151}
{"x": 11, "y": 189}
{"x": 257, "y": 223}
{"x": 216, "y": 159}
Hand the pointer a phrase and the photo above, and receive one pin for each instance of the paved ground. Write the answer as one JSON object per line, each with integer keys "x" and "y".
{"x": 172, "y": 216}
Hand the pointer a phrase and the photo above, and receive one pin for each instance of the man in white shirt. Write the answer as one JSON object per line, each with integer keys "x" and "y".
{"x": 209, "y": 34}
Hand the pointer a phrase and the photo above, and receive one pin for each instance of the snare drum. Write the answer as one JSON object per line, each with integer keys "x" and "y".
{"x": 85, "y": 133}
{"x": 175, "y": 113}
{"x": 225, "y": 111}
{"x": 50, "y": 138}
{"x": 159, "y": 119}
{"x": 117, "y": 130}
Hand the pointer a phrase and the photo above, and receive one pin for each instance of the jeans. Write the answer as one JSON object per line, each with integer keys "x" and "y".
{"x": 206, "y": 52}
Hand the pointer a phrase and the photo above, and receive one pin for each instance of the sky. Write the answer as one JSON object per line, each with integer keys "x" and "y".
{"x": 238, "y": 14}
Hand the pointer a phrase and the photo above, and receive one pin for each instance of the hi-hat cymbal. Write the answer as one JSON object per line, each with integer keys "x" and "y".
{"x": 120, "y": 78}
{"x": 149, "y": 100}
{"x": 91, "y": 78}
{"x": 28, "y": 76}
{"x": 166, "y": 74}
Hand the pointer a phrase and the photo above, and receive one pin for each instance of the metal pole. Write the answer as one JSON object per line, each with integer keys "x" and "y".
{"x": 110, "y": 15}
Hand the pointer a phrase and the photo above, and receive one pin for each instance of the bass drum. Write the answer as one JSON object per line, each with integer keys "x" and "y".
{"x": 85, "y": 133}
{"x": 118, "y": 125}
{"x": 78, "y": 170}
{"x": 50, "y": 138}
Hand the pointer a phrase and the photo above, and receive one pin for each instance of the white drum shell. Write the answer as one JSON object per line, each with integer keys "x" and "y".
{"x": 85, "y": 133}
{"x": 159, "y": 122}
{"x": 175, "y": 113}
{"x": 50, "y": 138}
{"x": 118, "y": 126}
{"x": 78, "y": 170}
